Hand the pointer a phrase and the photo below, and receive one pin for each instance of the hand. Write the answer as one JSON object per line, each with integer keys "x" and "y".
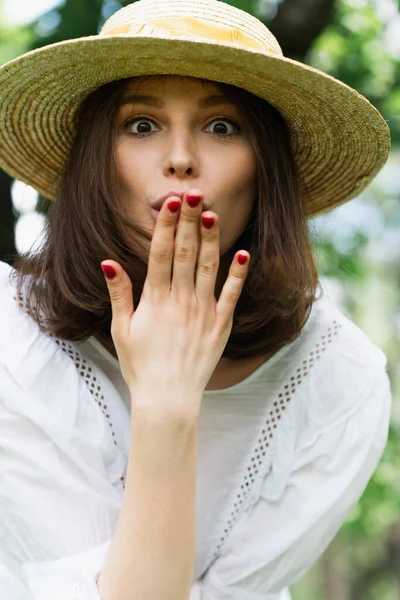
{"x": 174, "y": 339}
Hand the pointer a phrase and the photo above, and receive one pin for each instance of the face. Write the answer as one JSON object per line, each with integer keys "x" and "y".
{"x": 176, "y": 141}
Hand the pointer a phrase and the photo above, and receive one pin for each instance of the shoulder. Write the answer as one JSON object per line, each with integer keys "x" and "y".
{"x": 341, "y": 369}
{"x": 335, "y": 391}
{"x": 332, "y": 344}
{"x": 39, "y": 379}
{"x": 347, "y": 348}
{"x": 331, "y": 372}
{"x": 330, "y": 353}
{"x": 24, "y": 348}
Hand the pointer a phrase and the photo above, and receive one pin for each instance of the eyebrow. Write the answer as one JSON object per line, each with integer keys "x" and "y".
{"x": 207, "y": 102}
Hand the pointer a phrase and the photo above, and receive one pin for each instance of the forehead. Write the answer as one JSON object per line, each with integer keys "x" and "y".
{"x": 172, "y": 84}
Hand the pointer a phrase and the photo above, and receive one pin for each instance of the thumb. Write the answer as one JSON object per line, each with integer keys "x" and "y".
{"x": 120, "y": 290}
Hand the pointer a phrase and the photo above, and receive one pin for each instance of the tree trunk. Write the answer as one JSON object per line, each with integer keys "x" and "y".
{"x": 335, "y": 583}
{"x": 298, "y": 23}
{"x": 7, "y": 220}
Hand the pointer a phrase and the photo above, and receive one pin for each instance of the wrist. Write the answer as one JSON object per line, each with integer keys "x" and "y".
{"x": 160, "y": 445}
{"x": 177, "y": 408}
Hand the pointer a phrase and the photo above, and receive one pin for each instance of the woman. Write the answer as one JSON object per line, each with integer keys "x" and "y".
{"x": 199, "y": 422}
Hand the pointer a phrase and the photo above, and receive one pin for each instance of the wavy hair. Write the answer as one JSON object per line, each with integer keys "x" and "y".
{"x": 64, "y": 287}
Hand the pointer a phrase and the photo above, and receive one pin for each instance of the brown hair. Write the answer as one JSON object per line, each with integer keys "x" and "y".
{"x": 66, "y": 292}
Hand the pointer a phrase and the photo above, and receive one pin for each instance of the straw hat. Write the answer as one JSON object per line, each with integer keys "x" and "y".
{"x": 339, "y": 140}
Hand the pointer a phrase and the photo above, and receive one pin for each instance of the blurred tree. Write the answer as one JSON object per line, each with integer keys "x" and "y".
{"x": 76, "y": 18}
{"x": 7, "y": 218}
{"x": 358, "y": 48}
{"x": 13, "y": 41}
{"x": 297, "y": 24}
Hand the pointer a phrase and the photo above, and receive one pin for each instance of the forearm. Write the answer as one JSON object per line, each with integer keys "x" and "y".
{"x": 151, "y": 556}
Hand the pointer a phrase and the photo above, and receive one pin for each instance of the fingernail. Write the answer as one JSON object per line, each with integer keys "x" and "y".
{"x": 109, "y": 271}
{"x": 208, "y": 222}
{"x": 242, "y": 259}
{"x": 174, "y": 205}
{"x": 193, "y": 199}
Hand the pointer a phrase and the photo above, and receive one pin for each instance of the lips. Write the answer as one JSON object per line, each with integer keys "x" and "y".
{"x": 158, "y": 204}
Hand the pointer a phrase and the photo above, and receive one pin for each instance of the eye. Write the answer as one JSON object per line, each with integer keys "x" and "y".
{"x": 142, "y": 124}
{"x": 221, "y": 127}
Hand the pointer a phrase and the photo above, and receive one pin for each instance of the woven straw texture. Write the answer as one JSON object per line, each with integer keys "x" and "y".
{"x": 339, "y": 140}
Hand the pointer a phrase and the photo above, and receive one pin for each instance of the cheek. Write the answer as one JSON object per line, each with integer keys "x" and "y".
{"x": 239, "y": 165}
{"x": 129, "y": 166}
{"x": 246, "y": 165}
{"x": 241, "y": 175}
{"x": 238, "y": 182}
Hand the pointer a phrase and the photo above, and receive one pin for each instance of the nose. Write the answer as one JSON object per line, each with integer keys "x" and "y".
{"x": 180, "y": 158}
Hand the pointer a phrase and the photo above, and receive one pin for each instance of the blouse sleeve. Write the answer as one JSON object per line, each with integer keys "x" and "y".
{"x": 69, "y": 578}
{"x": 276, "y": 542}
{"x": 57, "y": 510}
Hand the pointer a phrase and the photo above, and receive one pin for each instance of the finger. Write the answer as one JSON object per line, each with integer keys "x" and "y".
{"x": 208, "y": 261}
{"x": 120, "y": 290}
{"x": 231, "y": 290}
{"x": 159, "y": 268}
{"x": 187, "y": 242}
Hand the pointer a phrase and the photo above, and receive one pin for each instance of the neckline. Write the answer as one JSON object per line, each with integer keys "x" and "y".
{"x": 245, "y": 382}
{"x": 248, "y": 380}
{"x": 104, "y": 352}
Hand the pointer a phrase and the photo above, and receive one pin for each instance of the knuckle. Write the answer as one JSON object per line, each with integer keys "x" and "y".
{"x": 235, "y": 285}
{"x": 208, "y": 268}
{"x": 231, "y": 296}
{"x": 211, "y": 234}
{"x": 118, "y": 294}
{"x": 189, "y": 216}
{"x": 170, "y": 220}
{"x": 185, "y": 253}
{"x": 162, "y": 253}
{"x": 236, "y": 277}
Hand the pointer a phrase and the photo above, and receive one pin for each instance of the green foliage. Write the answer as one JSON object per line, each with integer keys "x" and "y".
{"x": 248, "y": 6}
{"x": 14, "y": 41}
{"x": 77, "y": 18}
{"x": 354, "y": 48}
{"x": 339, "y": 264}
{"x": 379, "y": 506}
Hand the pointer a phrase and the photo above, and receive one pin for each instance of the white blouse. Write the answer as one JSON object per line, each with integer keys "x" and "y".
{"x": 282, "y": 458}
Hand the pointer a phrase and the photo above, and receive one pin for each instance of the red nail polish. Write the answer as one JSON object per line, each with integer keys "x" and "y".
{"x": 242, "y": 259}
{"x": 174, "y": 205}
{"x": 109, "y": 271}
{"x": 193, "y": 200}
{"x": 208, "y": 222}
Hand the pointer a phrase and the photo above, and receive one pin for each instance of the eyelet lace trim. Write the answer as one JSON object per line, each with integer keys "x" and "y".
{"x": 86, "y": 372}
{"x": 271, "y": 422}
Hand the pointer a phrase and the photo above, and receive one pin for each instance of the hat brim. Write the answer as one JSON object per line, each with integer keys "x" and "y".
{"x": 339, "y": 139}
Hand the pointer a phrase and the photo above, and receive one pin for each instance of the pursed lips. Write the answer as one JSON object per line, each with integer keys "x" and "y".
{"x": 157, "y": 205}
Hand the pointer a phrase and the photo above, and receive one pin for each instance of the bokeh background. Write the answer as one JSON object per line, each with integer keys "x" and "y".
{"x": 357, "y": 245}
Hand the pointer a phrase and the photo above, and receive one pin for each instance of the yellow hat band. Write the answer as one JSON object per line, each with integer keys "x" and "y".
{"x": 191, "y": 29}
